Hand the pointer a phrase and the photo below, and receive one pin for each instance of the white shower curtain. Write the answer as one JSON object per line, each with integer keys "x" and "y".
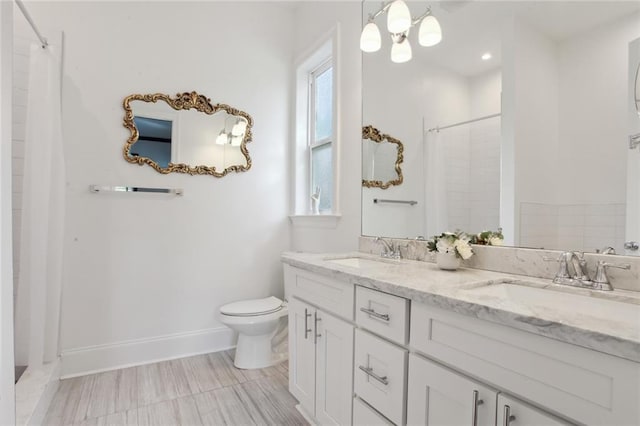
{"x": 435, "y": 195}
{"x": 40, "y": 276}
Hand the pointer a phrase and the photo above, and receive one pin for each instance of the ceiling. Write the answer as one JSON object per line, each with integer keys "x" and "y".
{"x": 471, "y": 28}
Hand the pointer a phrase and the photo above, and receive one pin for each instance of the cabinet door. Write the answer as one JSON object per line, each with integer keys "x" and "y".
{"x": 517, "y": 413}
{"x": 334, "y": 369}
{"x": 439, "y": 396}
{"x": 302, "y": 354}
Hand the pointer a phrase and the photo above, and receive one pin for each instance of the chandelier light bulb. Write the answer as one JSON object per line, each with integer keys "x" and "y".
{"x": 401, "y": 52}
{"x": 398, "y": 17}
{"x": 430, "y": 32}
{"x": 370, "y": 40}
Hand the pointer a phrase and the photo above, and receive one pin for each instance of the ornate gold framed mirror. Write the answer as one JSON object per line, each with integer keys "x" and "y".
{"x": 186, "y": 134}
{"x": 382, "y": 156}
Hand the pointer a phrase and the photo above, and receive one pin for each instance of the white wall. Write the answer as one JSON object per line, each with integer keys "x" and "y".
{"x": 593, "y": 130}
{"x": 530, "y": 123}
{"x": 571, "y": 185}
{"x": 146, "y": 274}
{"x": 313, "y": 21}
{"x": 7, "y": 401}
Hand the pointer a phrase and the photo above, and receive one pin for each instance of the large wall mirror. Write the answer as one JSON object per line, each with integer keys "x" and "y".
{"x": 518, "y": 119}
{"x": 186, "y": 134}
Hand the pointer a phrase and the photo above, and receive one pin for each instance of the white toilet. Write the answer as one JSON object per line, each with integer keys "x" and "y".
{"x": 256, "y": 321}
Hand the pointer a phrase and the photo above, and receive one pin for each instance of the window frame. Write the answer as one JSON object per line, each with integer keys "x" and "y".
{"x": 326, "y": 48}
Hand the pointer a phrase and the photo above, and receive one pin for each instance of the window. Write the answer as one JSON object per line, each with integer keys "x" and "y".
{"x": 320, "y": 131}
{"x": 315, "y": 159}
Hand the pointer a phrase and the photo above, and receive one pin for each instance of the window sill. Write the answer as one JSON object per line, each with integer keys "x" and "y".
{"x": 327, "y": 221}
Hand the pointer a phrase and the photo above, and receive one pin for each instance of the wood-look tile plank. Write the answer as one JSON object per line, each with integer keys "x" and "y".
{"x": 179, "y": 411}
{"x": 224, "y": 369}
{"x": 224, "y": 407}
{"x": 123, "y": 418}
{"x": 200, "y": 373}
{"x": 161, "y": 381}
{"x": 103, "y": 393}
{"x": 70, "y": 402}
{"x": 127, "y": 390}
{"x": 58, "y": 403}
{"x": 275, "y": 404}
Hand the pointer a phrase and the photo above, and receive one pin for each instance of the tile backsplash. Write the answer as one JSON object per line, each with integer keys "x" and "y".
{"x": 519, "y": 261}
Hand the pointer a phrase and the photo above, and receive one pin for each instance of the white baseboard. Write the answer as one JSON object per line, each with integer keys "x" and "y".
{"x": 94, "y": 359}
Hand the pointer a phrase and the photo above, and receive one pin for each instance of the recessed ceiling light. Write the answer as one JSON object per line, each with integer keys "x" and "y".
{"x": 486, "y": 56}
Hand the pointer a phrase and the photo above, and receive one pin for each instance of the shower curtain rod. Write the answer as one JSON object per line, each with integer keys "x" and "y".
{"x": 438, "y": 128}
{"x": 25, "y": 12}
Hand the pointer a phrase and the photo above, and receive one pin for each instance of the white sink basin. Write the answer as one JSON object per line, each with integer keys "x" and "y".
{"x": 359, "y": 262}
{"x": 578, "y": 303}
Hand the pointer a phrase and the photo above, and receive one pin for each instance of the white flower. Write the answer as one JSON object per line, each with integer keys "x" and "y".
{"x": 444, "y": 245}
{"x": 495, "y": 241}
{"x": 464, "y": 249}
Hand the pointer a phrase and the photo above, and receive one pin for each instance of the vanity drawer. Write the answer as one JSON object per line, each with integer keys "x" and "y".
{"x": 380, "y": 375}
{"x": 328, "y": 294}
{"x": 575, "y": 382}
{"x": 382, "y": 313}
{"x": 364, "y": 415}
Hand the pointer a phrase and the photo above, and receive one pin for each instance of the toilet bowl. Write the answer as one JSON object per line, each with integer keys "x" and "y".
{"x": 256, "y": 321}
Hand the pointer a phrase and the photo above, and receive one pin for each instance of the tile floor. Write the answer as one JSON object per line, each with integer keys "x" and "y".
{"x": 200, "y": 390}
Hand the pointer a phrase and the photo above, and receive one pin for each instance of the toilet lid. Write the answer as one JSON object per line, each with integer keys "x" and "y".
{"x": 252, "y": 307}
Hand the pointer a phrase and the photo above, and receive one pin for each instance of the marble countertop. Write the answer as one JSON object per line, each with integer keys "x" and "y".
{"x": 601, "y": 328}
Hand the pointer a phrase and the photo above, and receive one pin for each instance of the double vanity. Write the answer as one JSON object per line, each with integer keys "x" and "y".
{"x": 376, "y": 341}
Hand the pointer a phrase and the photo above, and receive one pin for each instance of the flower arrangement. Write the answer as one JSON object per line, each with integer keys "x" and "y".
{"x": 488, "y": 238}
{"x": 451, "y": 242}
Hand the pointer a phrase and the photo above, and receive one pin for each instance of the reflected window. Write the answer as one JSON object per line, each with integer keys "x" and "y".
{"x": 154, "y": 140}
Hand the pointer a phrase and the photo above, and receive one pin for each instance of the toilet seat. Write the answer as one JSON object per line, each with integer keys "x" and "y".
{"x": 252, "y": 307}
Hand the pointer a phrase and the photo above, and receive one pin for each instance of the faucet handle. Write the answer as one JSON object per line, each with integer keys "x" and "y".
{"x": 601, "y": 281}
{"x": 562, "y": 276}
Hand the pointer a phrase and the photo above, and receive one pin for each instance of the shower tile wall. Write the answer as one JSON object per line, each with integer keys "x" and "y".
{"x": 456, "y": 142}
{"x": 20, "y": 83}
{"x": 573, "y": 226}
{"x": 484, "y": 144}
{"x": 473, "y": 175}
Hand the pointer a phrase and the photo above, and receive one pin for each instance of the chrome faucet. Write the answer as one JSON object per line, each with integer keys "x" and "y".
{"x": 580, "y": 277}
{"x": 389, "y": 249}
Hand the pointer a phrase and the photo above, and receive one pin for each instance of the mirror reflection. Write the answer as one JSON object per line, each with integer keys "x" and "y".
{"x": 381, "y": 159}
{"x": 186, "y": 134}
{"x": 513, "y": 121}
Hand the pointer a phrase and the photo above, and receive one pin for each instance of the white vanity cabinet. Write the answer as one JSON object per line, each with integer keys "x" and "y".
{"x": 584, "y": 385}
{"x": 440, "y": 396}
{"x": 320, "y": 351}
{"x": 366, "y": 357}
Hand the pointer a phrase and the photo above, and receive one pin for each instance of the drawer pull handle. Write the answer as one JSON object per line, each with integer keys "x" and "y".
{"x": 369, "y": 372}
{"x": 474, "y": 408}
{"x": 508, "y": 418}
{"x": 384, "y": 317}
{"x": 315, "y": 324}
{"x": 307, "y": 330}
